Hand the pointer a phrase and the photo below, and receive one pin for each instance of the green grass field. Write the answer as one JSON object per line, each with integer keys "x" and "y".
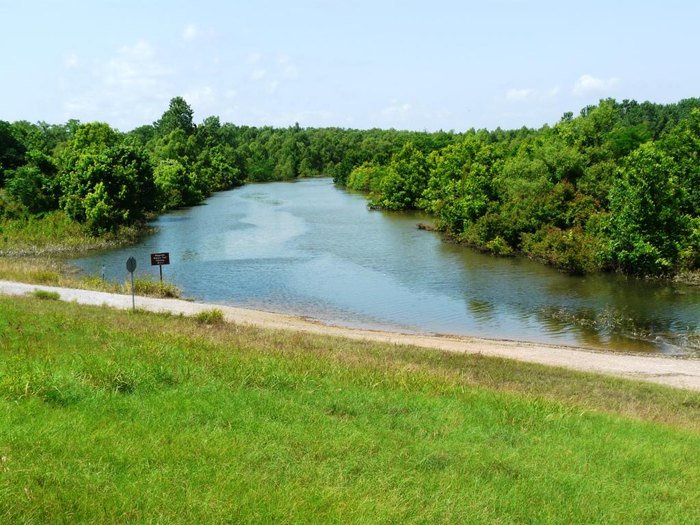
{"x": 118, "y": 417}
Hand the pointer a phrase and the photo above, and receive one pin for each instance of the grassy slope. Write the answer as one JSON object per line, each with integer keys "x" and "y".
{"x": 112, "y": 416}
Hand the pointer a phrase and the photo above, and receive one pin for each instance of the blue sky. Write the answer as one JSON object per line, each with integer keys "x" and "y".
{"x": 405, "y": 64}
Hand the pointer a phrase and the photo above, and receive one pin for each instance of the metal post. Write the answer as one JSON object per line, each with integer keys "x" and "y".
{"x": 130, "y": 267}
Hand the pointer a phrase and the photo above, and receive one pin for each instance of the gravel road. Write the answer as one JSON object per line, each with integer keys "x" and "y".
{"x": 671, "y": 371}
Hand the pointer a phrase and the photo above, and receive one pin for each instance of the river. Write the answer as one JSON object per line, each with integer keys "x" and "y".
{"x": 311, "y": 249}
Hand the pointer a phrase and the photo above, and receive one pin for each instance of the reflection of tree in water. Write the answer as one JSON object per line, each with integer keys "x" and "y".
{"x": 618, "y": 327}
{"x": 481, "y": 310}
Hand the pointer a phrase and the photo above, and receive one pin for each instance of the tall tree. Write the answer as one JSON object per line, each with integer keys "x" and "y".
{"x": 105, "y": 183}
{"x": 11, "y": 151}
{"x": 178, "y": 116}
{"x": 647, "y": 228}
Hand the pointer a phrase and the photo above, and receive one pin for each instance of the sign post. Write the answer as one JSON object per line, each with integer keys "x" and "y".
{"x": 130, "y": 267}
{"x": 159, "y": 259}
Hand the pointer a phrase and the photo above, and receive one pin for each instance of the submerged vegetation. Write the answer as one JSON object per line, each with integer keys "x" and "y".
{"x": 110, "y": 416}
{"x": 613, "y": 189}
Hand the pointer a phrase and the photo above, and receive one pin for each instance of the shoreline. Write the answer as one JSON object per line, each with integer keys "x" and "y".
{"x": 677, "y": 372}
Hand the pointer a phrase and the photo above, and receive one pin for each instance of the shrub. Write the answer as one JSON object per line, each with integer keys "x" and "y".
{"x": 573, "y": 250}
{"x": 499, "y": 246}
{"x": 46, "y": 295}
{"x": 210, "y": 317}
{"x": 149, "y": 287}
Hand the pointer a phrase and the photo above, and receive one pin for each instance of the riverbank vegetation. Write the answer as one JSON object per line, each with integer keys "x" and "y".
{"x": 615, "y": 188}
{"x": 56, "y": 272}
{"x": 112, "y": 416}
{"x": 612, "y": 189}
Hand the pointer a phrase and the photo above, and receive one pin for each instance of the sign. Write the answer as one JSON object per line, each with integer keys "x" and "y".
{"x": 130, "y": 267}
{"x": 158, "y": 259}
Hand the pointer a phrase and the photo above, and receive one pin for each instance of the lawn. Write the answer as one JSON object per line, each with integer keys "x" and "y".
{"x": 116, "y": 417}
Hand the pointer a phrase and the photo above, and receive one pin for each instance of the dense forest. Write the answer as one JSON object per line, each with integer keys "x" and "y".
{"x": 616, "y": 188}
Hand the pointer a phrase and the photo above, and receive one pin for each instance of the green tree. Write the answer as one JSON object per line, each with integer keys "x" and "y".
{"x": 218, "y": 167}
{"x": 459, "y": 187}
{"x": 35, "y": 185}
{"x": 174, "y": 146}
{"x": 11, "y": 151}
{"x": 178, "y": 116}
{"x": 367, "y": 177}
{"x": 647, "y": 228}
{"x": 105, "y": 183}
{"x": 683, "y": 145}
{"x": 175, "y": 186}
{"x": 406, "y": 179}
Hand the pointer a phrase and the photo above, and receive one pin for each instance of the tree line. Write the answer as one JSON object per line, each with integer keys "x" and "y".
{"x": 615, "y": 188}
{"x": 104, "y": 178}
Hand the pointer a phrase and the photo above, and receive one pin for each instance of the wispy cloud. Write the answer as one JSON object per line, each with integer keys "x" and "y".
{"x": 287, "y": 68}
{"x": 71, "y": 61}
{"x": 588, "y": 84}
{"x": 203, "y": 95}
{"x": 273, "y": 74}
{"x": 134, "y": 66}
{"x": 396, "y": 109}
{"x": 531, "y": 94}
{"x": 190, "y": 33}
{"x": 553, "y": 92}
{"x": 126, "y": 88}
{"x": 518, "y": 95}
{"x": 258, "y": 74}
{"x": 253, "y": 58}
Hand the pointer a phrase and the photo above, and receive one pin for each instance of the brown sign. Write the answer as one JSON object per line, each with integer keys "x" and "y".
{"x": 159, "y": 259}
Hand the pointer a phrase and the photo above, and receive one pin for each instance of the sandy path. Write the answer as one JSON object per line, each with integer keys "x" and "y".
{"x": 670, "y": 371}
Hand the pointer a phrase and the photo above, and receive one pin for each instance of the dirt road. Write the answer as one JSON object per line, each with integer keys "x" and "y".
{"x": 670, "y": 371}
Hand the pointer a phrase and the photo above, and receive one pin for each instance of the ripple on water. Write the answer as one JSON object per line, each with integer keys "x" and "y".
{"x": 311, "y": 249}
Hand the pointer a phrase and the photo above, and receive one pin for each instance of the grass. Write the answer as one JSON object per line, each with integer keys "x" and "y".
{"x": 54, "y": 272}
{"x": 28, "y": 249}
{"x": 46, "y": 295}
{"x": 54, "y": 233}
{"x": 116, "y": 417}
{"x": 210, "y": 317}
{"x": 152, "y": 288}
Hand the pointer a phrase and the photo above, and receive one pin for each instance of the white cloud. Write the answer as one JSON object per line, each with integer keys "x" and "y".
{"x": 402, "y": 114}
{"x": 190, "y": 32}
{"x": 531, "y": 95}
{"x": 396, "y": 114}
{"x": 201, "y": 96}
{"x": 258, "y": 74}
{"x": 587, "y": 84}
{"x": 254, "y": 58}
{"x": 272, "y": 86}
{"x": 134, "y": 66}
{"x": 287, "y": 68}
{"x": 518, "y": 95}
{"x": 130, "y": 88}
{"x": 71, "y": 61}
{"x": 397, "y": 109}
{"x": 552, "y": 92}
{"x": 316, "y": 118}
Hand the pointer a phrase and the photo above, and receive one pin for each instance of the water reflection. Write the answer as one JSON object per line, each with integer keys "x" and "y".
{"x": 311, "y": 249}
